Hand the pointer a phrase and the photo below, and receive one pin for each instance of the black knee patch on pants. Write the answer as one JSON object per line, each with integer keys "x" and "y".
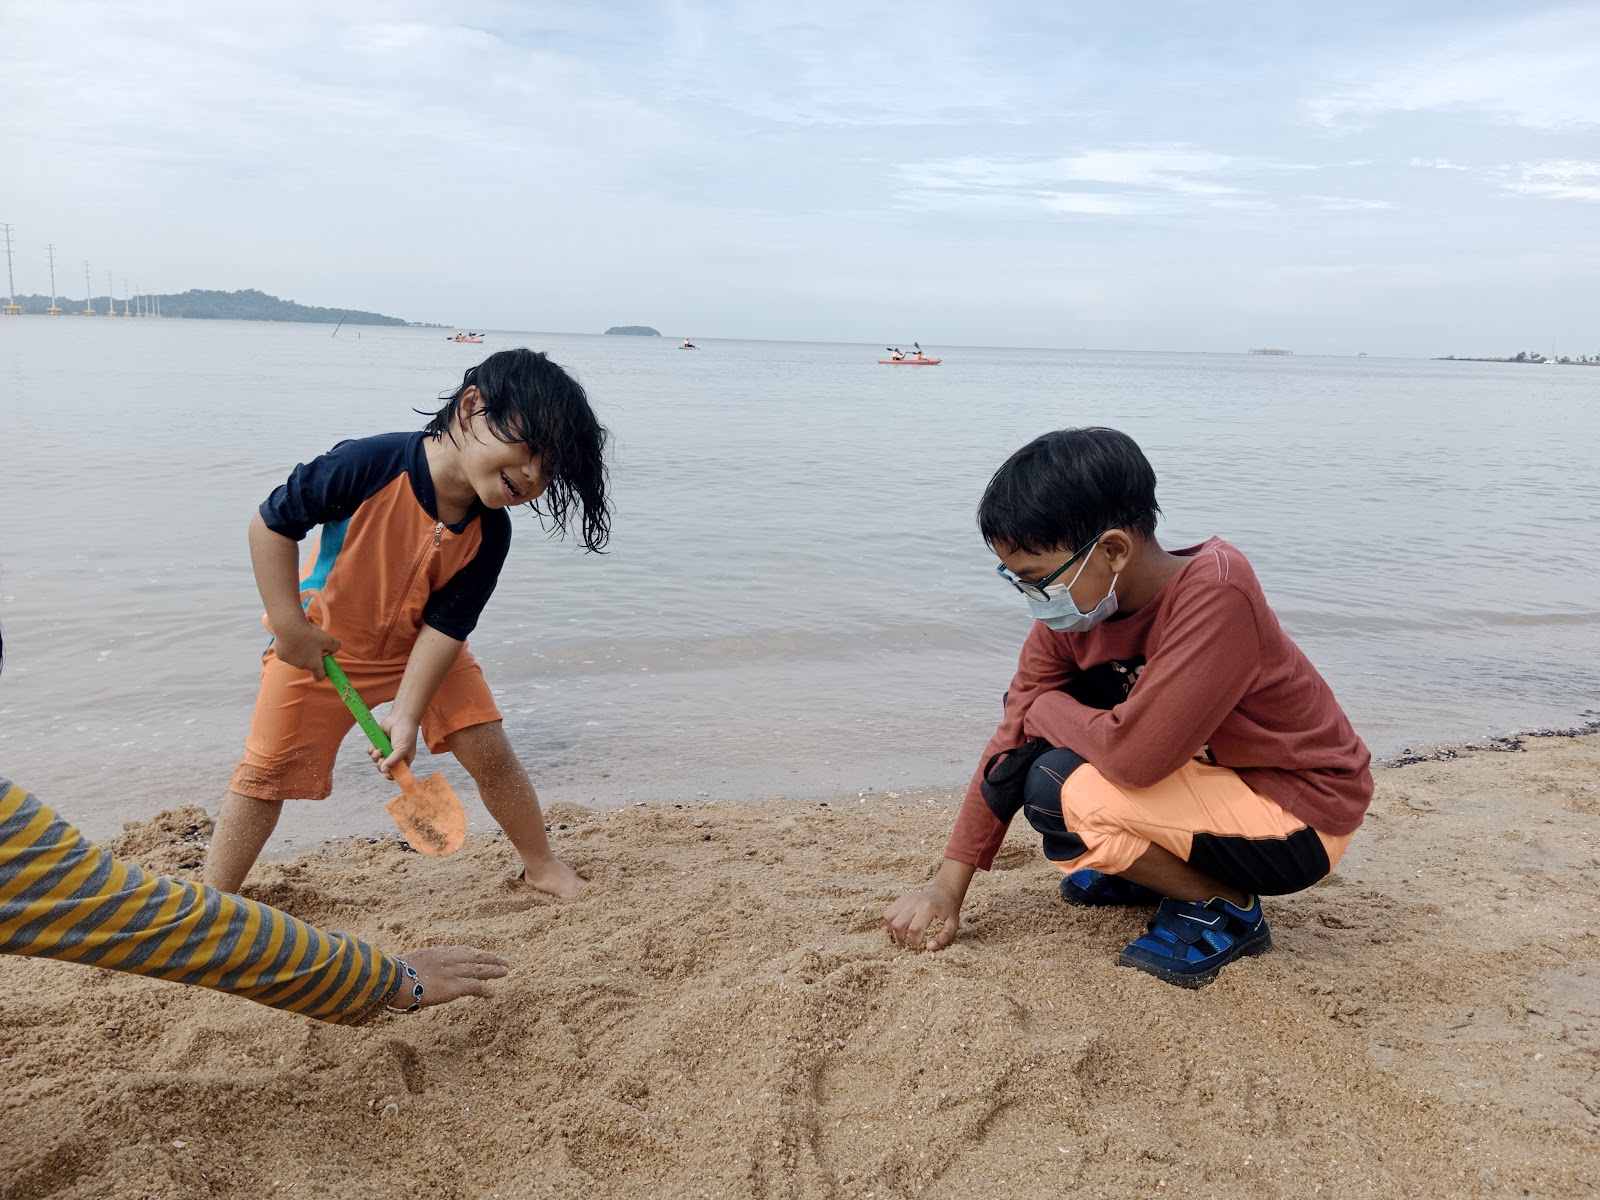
{"x": 1005, "y": 778}
{"x": 1042, "y": 804}
{"x": 1262, "y": 866}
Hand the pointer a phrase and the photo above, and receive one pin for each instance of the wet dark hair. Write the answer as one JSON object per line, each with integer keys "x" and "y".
{"x": 527, "y": 398}
{"x": 1064, "y": 488}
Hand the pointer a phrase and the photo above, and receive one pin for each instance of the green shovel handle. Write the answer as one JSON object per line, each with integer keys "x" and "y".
{"x": 358, "y": 709}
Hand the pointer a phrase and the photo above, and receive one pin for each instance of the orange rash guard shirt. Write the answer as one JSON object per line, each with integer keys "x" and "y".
{"x": 384, "y": 564}
{"x": 1220, "y": 677}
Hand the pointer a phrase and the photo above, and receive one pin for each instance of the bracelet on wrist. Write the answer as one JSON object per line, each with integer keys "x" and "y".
{"x": 414, "y": 984}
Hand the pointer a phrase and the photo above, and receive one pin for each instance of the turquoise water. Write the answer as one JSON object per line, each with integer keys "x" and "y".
{"x": 796, "y": 602}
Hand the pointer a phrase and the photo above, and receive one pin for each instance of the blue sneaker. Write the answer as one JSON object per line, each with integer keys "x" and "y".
{"x": 1188, "y": 943}
{"x": 1095, "y": 888}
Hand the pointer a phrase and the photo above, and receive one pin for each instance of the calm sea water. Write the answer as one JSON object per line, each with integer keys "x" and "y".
{"x": 797, "y": 602}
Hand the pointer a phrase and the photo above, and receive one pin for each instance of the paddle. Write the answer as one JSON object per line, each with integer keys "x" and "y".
{"x": 428, "y": 811}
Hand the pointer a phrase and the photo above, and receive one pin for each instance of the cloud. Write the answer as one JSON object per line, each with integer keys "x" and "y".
{"x": 1092, "y": 203}
{"x": 354, "y": 90}
{"x": 549, "y": 162}
{"x": 1541, "y": 73}
{"x": 1347, "y": 203}
{"x": 1110, "y": 181}
{"x": 1564, "y": 179}
{"x": 1146, "y": 166}
{"x": 813, "y": 66}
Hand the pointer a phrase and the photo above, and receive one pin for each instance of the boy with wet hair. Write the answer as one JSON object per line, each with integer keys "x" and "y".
{"x": 1164, "y": 736}
{"x": 414, "y": 530}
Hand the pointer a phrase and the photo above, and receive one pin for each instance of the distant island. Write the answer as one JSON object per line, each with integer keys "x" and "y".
{"x": 1530, "y": 356}
{"x": 196, "y": 304}
{"x": 635, "y": 330}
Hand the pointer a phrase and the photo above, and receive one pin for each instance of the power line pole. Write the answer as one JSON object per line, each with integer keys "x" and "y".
{"x": 53, "y": 310}
{"x": 88, "y": 297}
{"x": 13, "y": 309}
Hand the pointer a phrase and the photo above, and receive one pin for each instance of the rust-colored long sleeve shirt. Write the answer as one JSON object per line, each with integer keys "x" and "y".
{"x": 1219, "y": 674}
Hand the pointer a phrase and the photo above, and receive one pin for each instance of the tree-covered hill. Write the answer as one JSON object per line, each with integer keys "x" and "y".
{"x": 248, "y": 305}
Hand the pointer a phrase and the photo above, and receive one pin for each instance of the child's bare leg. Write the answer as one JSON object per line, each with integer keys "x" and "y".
{"x": 1165, "y": 872}
{"x": 508, "y": 794}
{"x": 243, "y": 827}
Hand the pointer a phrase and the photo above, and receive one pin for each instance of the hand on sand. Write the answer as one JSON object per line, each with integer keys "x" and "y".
{"x": 928, "y": 919}
{"x": 303, "y": 644}
{"x": 553, "y": 877}
{"x": 450, "y": 972}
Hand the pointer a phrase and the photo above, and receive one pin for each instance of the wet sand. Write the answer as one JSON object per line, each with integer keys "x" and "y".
{"x": 721, "y": 1015}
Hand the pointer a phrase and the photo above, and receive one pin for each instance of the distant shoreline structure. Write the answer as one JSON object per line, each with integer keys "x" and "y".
{"x": 1270, "y": 350}
{"x": 1525, "y": 356}
{"x": 200, "y": 305}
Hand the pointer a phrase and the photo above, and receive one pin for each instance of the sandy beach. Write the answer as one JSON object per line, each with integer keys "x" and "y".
{"x": 722, "y": 1015}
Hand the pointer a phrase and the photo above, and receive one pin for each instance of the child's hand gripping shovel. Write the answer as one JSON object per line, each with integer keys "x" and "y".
{"x": 428, "y": 811}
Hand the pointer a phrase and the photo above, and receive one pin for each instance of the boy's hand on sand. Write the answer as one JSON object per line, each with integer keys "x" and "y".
{"x": 402, "y": 731}
{"x": 450, "y": 972}
{"x": 302, "y": 644}
{"x": 554, "y": 878}
{"x": 927, "y": 919}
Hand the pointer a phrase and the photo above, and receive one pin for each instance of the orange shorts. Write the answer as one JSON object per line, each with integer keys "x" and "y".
{"x": 1206, "y": 815}
{"x": 300, "y": 721}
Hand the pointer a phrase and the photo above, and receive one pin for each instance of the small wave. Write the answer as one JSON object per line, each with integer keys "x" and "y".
{"x": 1300, "y": 623}
{"x": 1589, "y": 618}
{"x": 714, "y": 650}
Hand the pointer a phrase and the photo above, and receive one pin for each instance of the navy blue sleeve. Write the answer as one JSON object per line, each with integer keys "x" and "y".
{"x": 331, "y": 487}
{"x": 455, "y": 608}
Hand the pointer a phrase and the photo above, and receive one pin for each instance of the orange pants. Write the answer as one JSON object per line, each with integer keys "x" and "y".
{"x": 1204, "y": 814}
{"x": 300, "y": 721}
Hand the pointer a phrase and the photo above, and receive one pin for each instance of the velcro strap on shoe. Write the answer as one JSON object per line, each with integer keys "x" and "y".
{"x": 1187, "y": 923}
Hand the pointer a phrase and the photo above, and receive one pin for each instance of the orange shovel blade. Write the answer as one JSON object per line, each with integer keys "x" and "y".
{"x": 428, "y": 813}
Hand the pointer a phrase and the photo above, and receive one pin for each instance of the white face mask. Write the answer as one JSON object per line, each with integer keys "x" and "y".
{"x": 1061, "y": 614}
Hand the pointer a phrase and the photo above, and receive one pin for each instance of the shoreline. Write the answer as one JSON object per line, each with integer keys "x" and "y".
{"x": 1512, "y": 742}
{"x": 721, "y": 1014}
{"x": 1507, "y": 743}
{"x": 381, "y": 830}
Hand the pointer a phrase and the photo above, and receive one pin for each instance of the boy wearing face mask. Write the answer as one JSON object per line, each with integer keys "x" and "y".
{"x": 1162, "y": 733}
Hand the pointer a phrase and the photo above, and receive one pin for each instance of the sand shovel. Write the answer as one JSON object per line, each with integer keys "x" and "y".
{"x": 428, "y": 811}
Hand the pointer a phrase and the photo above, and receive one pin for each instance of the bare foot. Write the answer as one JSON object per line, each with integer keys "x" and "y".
{"x": 554, "y": 878}
{"x": 450, "y": 972}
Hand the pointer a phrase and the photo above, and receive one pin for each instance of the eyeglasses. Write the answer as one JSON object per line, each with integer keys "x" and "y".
{"x": 1036, "y": 589}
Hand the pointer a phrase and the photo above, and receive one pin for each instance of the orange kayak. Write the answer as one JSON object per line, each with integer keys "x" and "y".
{"x": 909, "y": 362}
{"x": 465, "y": 339}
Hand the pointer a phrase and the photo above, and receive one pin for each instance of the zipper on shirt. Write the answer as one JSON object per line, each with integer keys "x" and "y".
{"x": 405, "y": 591}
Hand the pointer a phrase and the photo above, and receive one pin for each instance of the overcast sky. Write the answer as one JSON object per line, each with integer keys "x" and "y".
{"x": 1395, "y": 178}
